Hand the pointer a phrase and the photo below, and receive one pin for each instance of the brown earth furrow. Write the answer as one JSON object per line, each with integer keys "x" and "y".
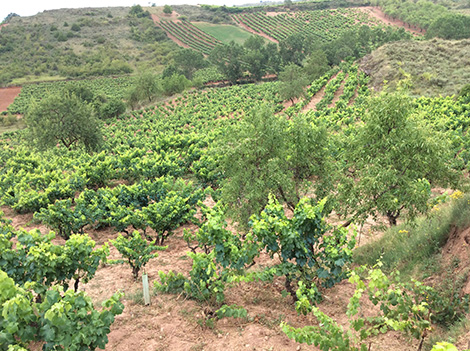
{"x": 377, "y": 13}
{"x": 264, "y": 35}
{"x": 317, "y": 97}
{"x": 7, "y": 96}
{"x": 156, "y": 20}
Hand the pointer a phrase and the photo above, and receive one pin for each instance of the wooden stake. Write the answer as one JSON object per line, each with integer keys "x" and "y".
{"x": 145, "y": 283}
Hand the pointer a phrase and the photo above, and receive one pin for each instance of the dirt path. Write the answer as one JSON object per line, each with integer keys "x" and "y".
{"x": 317, "y": 97}
{"x": 338, "y": 92}
{"x": 261, "y": 34}
{"x": 7, "y": 96}
{"x": 377, "y": 13}
{"x": 156, "y": 20}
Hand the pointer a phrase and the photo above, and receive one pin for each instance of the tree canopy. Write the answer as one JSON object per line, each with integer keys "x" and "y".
{"x": 392, "y": 161}
{"x": 268, "y": 154}
{"x": 65, "y": 119}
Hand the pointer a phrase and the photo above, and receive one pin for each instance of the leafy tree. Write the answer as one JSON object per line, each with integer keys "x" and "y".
{"x": 175, "y": 84}
{"x": 81, "y": 91}
{"x": 189, "y": 61}
{"x": 167, "y": 10}
{"x": 65, "y": 119}
{"x": 138, "y": 11}
{"x": 132, "y": 97}
{"x": 294, "y": 48}
{"x": 112, "y": 108}
{"x": 146, "y": 87}
{"x": 255, "y": 56}
{"x": 261, "y": 158}
{"x": 227, "y": 58}
{"x": 292, "y": 82}
{"x": 315, "y": 65}
{"x": 392, "y": 161}
{"x": 450, "y": 26}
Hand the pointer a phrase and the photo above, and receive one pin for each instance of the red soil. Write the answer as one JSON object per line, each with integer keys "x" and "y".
{"x": 261, "y": 34}
{"x": 172, "y": 322}
{"x": 377, "y": 13}
{"x": 317, "y": 97}
{"x": 7, "y": 95}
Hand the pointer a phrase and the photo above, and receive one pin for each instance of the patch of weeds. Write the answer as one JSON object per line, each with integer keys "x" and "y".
{"x": 271, "y": 323}
{"x": 198, "y": 347}
{"x": 206, "y": 323}
{"x": 136, "y": 297}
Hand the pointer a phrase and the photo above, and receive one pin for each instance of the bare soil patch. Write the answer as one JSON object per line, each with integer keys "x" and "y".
{"x": 7, "y": 96}
{"x": 272, "y": 14}
{"x": 377, "y": 13}
{"x": 173, "y": 322}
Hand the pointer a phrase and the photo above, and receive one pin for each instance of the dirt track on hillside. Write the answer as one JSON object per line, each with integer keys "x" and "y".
{"x": 7, "y": 96}
{"x": 377, "y": 13}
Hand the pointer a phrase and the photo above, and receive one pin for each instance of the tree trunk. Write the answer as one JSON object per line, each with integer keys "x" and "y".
{"x": 75, "y": 285}
{"x": 289, "y": 288}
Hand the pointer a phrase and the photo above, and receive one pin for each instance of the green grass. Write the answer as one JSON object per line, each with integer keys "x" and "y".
{"x": 224, "y": 32}
{"x": 415, "y": 249}
{"x": 12, "y": 128}
{"x": 437, "y": 67}
{"x": 35, "y": 79}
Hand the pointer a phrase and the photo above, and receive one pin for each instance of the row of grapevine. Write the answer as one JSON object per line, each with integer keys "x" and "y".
{"x": 161, "y": 204}
{"x": 110, "y": 87}
{"x": 323, "y": 24}
{"x": 167, "y": 140}
{"x": 190, "y": 35}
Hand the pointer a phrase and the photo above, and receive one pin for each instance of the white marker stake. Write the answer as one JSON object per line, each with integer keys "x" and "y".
{"x": 145, "y": 283}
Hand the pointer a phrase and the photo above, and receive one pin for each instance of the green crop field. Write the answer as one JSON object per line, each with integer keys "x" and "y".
{"x": 253, "y": 169}
{"x": 225, "y": 33}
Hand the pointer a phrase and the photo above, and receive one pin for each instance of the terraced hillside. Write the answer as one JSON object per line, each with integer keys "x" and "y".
{"x": 187, "y": 35}
{"x": 323, "y": 24}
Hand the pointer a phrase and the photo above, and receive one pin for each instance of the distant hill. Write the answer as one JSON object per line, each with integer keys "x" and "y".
{"x": 437, "y": 67}
{"x": 79, "y": 43}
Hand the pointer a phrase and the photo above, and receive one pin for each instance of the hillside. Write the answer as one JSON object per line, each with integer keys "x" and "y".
{"x": 74, "y": 43}
{"x": 272, "y": 198}
{"x": 436, "y": 67}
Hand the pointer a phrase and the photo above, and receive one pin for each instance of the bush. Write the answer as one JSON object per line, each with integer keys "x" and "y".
{"x": 112, "y": 108}
{"x": 75, "y": 27}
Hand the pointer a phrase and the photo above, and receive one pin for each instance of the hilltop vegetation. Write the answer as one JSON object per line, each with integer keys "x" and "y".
{"x": 79, "y": 43}
{"x": 434, "y": 67}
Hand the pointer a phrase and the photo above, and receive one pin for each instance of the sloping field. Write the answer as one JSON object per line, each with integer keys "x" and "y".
{"x": 435, "y": 66}
{"x": 224, "y": 32}
{"x": 323, "y": 24}
{"x": 7, "y": 96}
{"x": 186, "y": 34}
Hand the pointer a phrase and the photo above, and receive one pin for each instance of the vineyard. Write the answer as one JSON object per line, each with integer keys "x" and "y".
{"x": 324, "y": 25}
{"x": 233, "y": 217}
{"x": 110, "y": 87}
{"x": 190, "y": 35}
